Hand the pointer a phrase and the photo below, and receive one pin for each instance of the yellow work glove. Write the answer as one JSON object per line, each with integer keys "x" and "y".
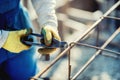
{"x": 49, "y": 32}
{"x": 13, "y": 43}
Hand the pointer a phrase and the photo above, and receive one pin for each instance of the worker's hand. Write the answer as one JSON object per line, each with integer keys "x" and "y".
{"x": 13, "y": 42}
{"x": 49, "y": 33}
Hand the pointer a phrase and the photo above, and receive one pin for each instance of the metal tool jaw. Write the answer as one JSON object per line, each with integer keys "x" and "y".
{"x": 28, "y": 40}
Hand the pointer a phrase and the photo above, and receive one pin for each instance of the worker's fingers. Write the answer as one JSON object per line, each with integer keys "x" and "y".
{"x": 47, "y": 36}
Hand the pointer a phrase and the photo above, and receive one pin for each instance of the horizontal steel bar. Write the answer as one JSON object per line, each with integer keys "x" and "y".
{"x": 111, "y": 55}
{"x": 111, "y": 17}
{"x": 91, "y": 46}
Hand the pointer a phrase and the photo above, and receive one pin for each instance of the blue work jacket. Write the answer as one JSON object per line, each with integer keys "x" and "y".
{"x": 13, "y": 16}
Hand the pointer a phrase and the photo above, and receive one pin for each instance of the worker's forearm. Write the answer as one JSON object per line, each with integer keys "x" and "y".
{"x": 45, "y": 10}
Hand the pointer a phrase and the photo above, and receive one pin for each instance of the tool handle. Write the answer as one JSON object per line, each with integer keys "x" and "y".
{"x": 55, "y": 44}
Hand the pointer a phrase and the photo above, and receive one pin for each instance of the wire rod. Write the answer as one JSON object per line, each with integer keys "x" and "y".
{"x": 96, "y": 54}
{"x": 111, "y": 55}
{"x": 111, "y": 17}
{"x": 107, "y": 50}
{"x": 78, "y": 39}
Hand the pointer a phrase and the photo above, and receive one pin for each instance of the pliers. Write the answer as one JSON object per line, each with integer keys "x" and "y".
{"x": 55, "y": 43}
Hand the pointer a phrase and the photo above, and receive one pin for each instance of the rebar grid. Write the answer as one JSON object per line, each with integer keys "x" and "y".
{"x": 72, "y": 44}
{"x": 96, "y": 54}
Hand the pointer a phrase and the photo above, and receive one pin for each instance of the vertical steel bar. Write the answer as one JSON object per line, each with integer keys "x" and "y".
{"x": 96, "y": 54}
{"x": 78, "y": 39}
{"x": 69, "y": 65}
{"x": 97, "y": 36}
